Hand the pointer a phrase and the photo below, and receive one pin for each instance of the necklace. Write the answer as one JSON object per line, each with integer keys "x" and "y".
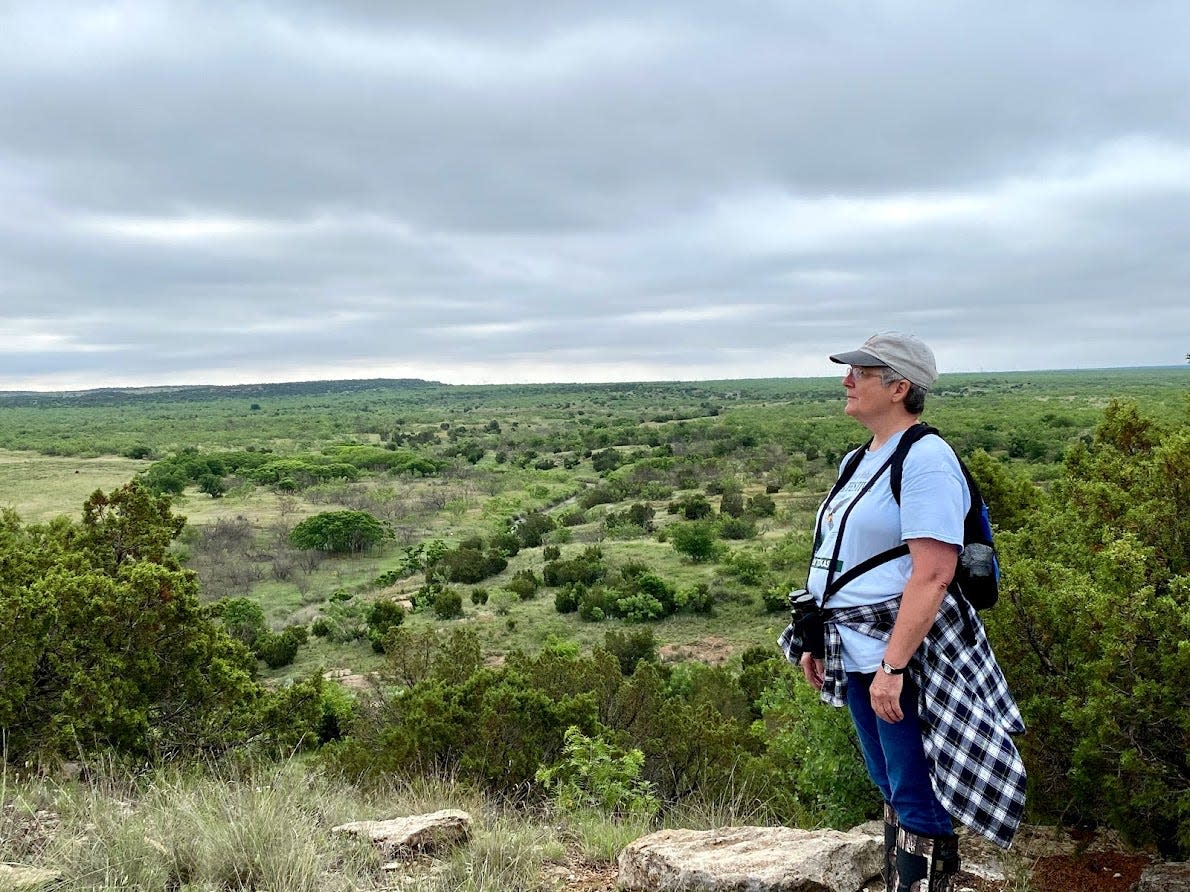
{"x": 830, "y": 511}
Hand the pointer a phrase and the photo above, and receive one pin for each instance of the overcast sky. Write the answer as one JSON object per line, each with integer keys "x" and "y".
{"x": 478, "y": 192}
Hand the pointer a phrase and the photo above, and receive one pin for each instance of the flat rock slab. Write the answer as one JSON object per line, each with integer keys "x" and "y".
{"x": 750, "y": 859}
{"x": 413, "y": 834}
{"x": 25, "y": 879}
{"x": 1173, "y": 876}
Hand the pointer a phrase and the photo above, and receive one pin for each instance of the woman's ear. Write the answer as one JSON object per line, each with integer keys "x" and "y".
{"x": 899, "y": 391}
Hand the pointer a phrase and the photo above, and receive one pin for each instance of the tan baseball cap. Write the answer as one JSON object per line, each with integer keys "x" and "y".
{"x": 905, "y": 354}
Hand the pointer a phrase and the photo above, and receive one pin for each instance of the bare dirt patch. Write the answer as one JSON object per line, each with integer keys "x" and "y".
{"x": 712, "y": 650}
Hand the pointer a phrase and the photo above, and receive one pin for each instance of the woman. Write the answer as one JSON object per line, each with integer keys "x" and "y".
{"x": 910, "y": 661}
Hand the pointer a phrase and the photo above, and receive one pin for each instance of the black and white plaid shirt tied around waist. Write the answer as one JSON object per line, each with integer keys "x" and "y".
{"x": 967, "y": 711}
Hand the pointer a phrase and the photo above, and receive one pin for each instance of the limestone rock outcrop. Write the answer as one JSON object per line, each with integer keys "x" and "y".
{"x": 750, "y": 859}
{"x": 414, "y": 834}
{"x": 1171, "y": 876}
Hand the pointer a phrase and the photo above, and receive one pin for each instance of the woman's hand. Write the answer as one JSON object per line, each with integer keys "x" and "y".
{"x": 885, "y": 693}
{"x": 812, "y": 668}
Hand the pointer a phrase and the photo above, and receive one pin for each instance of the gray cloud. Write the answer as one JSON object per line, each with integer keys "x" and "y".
{"x": 273, "y": 191}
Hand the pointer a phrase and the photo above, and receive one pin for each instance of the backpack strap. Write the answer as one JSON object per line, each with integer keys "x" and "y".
{"x": 896, "y": 466}
{"x": 833, "y": 584}
{"x": 911, "y": 436}
{"x": 845, "y": 474}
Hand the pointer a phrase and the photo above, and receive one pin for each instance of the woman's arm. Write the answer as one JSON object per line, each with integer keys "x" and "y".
{"x": 933, "y": 568}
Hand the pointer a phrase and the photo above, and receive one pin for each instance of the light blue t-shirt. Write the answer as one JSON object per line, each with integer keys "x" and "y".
{"x": 934, "y": 502}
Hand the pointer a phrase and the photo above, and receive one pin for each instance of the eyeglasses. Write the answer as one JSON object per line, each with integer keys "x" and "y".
{"x": 858, "y": 372}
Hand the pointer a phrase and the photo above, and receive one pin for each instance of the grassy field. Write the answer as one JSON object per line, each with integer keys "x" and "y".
{"x": 41, "y": 487}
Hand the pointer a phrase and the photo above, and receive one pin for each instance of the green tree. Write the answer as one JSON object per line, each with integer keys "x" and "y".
{"x": 212, "y": 485}
{"x": 1092, "y": 632}
{"x": 381, "y": 617}
{"x": 131, "y": 524}
{"x": 631, "y": 648}
{"x": 243, "y": 619}
{"x": 696, "y": 539}
{"x": 106, "y": 645}
{"x": 340, "y": 532}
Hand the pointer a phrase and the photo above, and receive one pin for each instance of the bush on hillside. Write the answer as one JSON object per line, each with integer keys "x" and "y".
{"x": 105, "y": 643}
{"x": 524, "y": 584}
{"x": 382, "y": 616}
{"x": 340, "y": 532}
{"x": 1092, "y": 631}
{"x": 696, "y": 540}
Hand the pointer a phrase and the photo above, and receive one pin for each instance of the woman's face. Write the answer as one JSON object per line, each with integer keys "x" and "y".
{"x": 865, "y": 392}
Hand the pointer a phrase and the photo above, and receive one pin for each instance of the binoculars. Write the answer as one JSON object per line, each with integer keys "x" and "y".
{"x": 806, "y": 617}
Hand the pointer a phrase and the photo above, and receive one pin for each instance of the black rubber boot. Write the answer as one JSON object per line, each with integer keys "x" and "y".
{"x": 926, "y": 863}
{"x": 890, "y": 848}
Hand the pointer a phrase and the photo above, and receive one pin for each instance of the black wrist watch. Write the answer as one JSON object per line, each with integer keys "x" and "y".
{"x": 889, "y": 670}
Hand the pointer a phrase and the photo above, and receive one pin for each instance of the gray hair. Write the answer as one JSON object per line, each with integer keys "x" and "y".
{"x": 915, "y": 398}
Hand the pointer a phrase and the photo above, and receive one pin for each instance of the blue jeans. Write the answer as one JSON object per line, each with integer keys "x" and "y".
{"x": 895, "y": 759}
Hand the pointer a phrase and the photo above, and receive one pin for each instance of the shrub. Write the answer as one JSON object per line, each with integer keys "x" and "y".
{"x": 566, "y": 599}
{"x": 737, "y": 528}
{"x": 507, "y": 544}
{"x": 636, "y": 521}
{"x": 638, "y": 607}
{"x": 630, "y": 648}
{"x": 697, "y": 599}
{"x": 381, "y": 616}
{"x": 524, "y": 584}
{"x": 586, "y": 568}
{"x": 532, "y": 528}
{"x": 815, "y": 756}
{"x": 775, "y": 598}
{"x": 106, "y": 646}
{"x": 731, "y": 504}
{"x": 694, "y": 507}
{"x": 338, "y": 707}
{"x": 696, "y": 540}
{"x": 470, "y": 565}
{"x": 279, "y": 650}
{"x": 593, "y": 605}
{"x": 448, "y": 604}
{"x": 243, "y": 619}
{"x": 479, "y": 596}
{"x": 594, "y": 774}
{"x": 762, "y": 505}
{"x": 749, "y": 567}
{"x": 341, "y": 532}
{"x": 389, "y": 577}
{"x": 1092, "y": 631}
{"x": 605, "y": 460}
{"x": 605, "y": 494}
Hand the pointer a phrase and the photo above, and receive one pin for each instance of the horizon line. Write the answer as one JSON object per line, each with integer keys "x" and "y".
{"x": 129, "y": 388}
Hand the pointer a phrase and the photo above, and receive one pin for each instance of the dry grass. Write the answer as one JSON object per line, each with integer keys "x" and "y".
{"x": 264, "y": 828}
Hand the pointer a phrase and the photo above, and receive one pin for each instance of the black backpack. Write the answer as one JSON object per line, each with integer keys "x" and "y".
{"x": 977, "y": 575}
